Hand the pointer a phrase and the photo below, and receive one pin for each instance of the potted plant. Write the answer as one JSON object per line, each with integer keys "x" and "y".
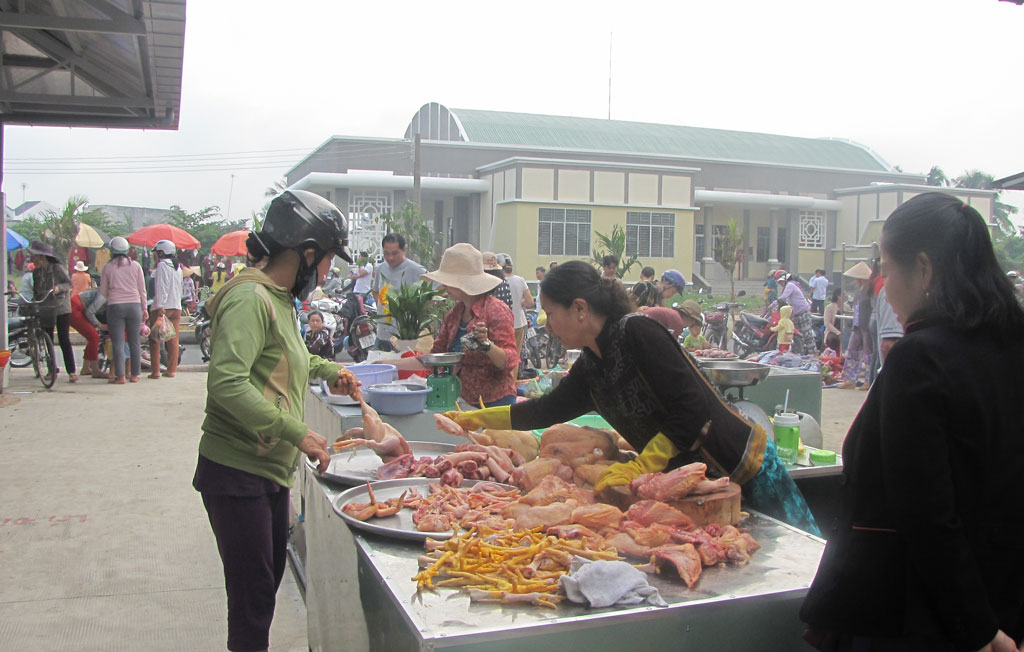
{"x": 410, "y": 309}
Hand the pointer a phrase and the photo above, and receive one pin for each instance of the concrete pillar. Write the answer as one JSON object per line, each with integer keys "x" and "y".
{"x": 709, "y": 253}
{"x": 773, "y": 238}
{"x": 793, "y": 240}
{"x": 744, "y": 270}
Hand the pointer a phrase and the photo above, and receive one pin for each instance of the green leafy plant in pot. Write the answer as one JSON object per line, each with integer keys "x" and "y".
{"x": 411, "y": 309}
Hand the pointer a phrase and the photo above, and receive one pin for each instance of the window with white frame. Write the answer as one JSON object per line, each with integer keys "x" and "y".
{"x": 812, "y": 229}
{"x": 763, "y": 241}
{"x": 698, "y": 241}
{"x": 650, "y": 235}
{"x": 563, "y": 232}
{"x": 365, "y": 229}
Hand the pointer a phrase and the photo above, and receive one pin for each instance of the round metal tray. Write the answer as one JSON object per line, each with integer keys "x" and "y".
{"x": 441, "y": 359}
{"x": 356, "y": 466}
{"x": 734, "y": 373}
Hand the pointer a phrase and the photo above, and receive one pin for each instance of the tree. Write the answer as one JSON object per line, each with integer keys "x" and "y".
{"x": 936, "y": 177}
{"x": 61, "y": 228}
{"x": 729, "y": 251}
{"x": 276, "y": 188}
{"x": 614, "y": 245}
{"x": 1009, "y": 249}
{"x": 205, "y": 225}
{"x": 1000, "y": 211}
{"x": 422, "y": 244}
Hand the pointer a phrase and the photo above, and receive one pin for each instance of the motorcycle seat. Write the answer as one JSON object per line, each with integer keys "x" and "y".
{"x": 754, "y": 319}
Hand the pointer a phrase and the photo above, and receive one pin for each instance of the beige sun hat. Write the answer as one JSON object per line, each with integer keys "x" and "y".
{"x": 860, "y": 271}
{"x": 490, "y": 260}
{"x": 80, "y": 267}
{"x": 691, "y": 309}
{"x": 462, "y": 267}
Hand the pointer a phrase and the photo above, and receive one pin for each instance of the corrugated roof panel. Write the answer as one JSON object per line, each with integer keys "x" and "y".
{"x": 504, "y": 128}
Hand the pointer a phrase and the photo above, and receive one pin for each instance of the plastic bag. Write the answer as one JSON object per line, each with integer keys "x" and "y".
{"x": 162, "y": 330}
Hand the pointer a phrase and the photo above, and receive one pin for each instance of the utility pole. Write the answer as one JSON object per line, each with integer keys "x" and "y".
{"x": 416, "y": 194}
{"x": 231, "y": 188}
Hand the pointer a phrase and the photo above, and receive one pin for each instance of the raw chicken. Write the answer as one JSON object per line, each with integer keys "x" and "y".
{"x": 529, "y": 475}
{"x": 529, "y": 516}
{"x": 574, "y": 531}
{"x": 648, "y": 512}
{"x": 653, "y": 535}
{"x": 380, "y": 437}
{"x": 448, "y": 425}
{"x": 736, "y": 545}
{"x": 400, "y": 467}
{"x": 624, "y": 544}
{"x": 521, "y": 441}
{"x": 710, "y": 486}
{"x": 588, "y": 474}
{"x": 672, "y": 485}
{"x": 684, "y": 559}
{"x": 553, "y": 489}
{"x": 597, "y": 516}
{"x": 574, "y": 445}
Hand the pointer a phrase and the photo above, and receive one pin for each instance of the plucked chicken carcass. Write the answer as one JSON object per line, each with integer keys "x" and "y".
{"x": 587, "y": 475}
{"x": 682, "y": 558}
{"x": 528, "y": 517}
{"x": 553, "y": 489}
{"x": 575, "y": 445}
{"x": 380, "y": 437}
{"x": 520, "y": 441}
{"x": 649, "y": 512}
{"x": 673, "y": 485}
{"x": 529, "y": 475}
{"x": 597, "y": 516}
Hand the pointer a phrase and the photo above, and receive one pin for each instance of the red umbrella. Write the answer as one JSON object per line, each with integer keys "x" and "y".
{"x": 231, "y": 244}
{"x": 148, "y": 236}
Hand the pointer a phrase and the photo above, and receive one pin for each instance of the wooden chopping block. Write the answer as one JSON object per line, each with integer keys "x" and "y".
{"x": 722, "y": 507}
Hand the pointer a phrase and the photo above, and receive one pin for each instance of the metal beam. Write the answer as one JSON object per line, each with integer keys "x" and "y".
{"x": 10, "y": 20}
{"x": 25, "y": 61}
{"x": 75, "y": 100}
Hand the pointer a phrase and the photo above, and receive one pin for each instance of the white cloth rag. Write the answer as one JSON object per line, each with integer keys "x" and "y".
{"x": 604, "y": 583}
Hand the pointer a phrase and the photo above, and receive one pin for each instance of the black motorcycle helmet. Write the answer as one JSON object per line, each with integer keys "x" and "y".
{"x": 298, "y": 219}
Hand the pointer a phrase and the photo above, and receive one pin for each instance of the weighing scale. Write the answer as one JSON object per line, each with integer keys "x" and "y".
{"x": 737, "y": 374}
{"x": 444, "y": 385}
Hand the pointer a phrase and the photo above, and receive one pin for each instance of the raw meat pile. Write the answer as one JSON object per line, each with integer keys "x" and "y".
{"x": 571, "y": 453}
{"x": 649, "y": 529}
{"x": 713, "y": 353}
{"x": 468, "y": 462}
{"x": 685, "y": 481}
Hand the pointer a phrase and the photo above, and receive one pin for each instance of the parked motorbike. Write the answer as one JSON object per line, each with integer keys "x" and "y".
{"x": 357, "y": 328}
{"x": 201, "y": 329}
{"x": 752, "y": 334}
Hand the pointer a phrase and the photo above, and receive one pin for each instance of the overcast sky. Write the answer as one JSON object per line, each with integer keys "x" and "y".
{"x": 921, "y": 82}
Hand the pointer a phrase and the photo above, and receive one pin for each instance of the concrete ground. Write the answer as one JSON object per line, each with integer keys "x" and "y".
{"x": 106, "y": 546}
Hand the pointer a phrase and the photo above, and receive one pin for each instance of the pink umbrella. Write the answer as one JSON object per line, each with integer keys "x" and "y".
{"x": 231, "y": 244}
{"x": 148, "y": 236}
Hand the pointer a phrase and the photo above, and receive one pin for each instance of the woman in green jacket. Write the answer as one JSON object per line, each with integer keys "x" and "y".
{"x": 254, "y": 433}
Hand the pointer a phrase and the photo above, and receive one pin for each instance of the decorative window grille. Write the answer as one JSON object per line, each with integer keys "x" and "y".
{"x": 650, "y": 235}
{"x": 563, "y": 232}
{"x": 365, "y": 229}
{"x": 812, "y": 229}
{"x": 763, "y": 239}
{"x": 698, "y": 241}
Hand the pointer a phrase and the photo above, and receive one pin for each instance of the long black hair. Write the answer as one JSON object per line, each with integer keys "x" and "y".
{"x": 578, "y": 280}
{"x": 968, "y": 289}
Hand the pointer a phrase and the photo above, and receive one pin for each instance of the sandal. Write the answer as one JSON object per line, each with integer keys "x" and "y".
{"x": 154, "y": 376}
{"x": 72, "y": 378}
{"x": 133, "y": 379}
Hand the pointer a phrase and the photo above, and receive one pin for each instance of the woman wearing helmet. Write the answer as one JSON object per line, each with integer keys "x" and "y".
{"x": 124, "y": 286}
{"x": 673, "y": 284}
{"x": 167, "y": 290}
{"x": 254, "y": 432}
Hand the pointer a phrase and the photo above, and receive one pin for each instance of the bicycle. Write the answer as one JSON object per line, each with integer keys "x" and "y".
{"x": 29, "y": 338}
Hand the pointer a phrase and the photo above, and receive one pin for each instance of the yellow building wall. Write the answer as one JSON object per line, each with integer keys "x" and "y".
{"x": 609, "y": 187}
{"x": 515, "y": 228}
{"x": 675, "y": 191}
{"x": 538, "y": 184}
{"x": 867, "y": 209}
{"x": 810, "y": 260}
{"x": 643, "y": 189}
{"x": 510, "y": 185}
{"x": 887, "y": 202}
{"x": 574, "y": 185}
{"x": 983, "y": 205}
{"x": 872, "y": 232}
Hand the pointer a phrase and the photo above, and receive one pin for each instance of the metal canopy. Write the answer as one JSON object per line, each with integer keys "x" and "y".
{"x": 91, "y": 63}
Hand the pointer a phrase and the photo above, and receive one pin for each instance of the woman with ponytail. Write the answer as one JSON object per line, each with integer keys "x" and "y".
{"x": 633, "y": 372}
{"x": 924, "y": 554}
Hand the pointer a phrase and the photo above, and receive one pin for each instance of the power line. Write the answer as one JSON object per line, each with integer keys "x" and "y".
{"x": 183, "y": 158}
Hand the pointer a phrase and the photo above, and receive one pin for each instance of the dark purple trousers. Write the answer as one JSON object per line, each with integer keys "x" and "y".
{"x": 252, "y": 537}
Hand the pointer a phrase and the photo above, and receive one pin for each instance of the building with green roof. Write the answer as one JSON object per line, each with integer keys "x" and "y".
{"x": 539, "y": 187}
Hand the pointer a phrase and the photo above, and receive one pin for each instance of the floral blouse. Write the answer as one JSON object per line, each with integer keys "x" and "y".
{"x": 319, "y": 343}
{"x": 480, "y": 378}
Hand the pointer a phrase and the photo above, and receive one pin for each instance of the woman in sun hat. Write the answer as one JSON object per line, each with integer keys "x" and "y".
{"x": 49, "y": 275}
{"x": 858, "y": 351}
{"x": 80, "y": 279}
{"x": 480, "y": 325}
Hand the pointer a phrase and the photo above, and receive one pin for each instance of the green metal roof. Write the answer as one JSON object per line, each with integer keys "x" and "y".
{"x": 503, "y": 128}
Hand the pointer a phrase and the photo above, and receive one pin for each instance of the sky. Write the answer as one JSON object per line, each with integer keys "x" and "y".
{"x": 920, "y": 82}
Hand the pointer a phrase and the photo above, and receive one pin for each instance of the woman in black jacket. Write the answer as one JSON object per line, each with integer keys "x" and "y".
{"x": 927, "y": 552}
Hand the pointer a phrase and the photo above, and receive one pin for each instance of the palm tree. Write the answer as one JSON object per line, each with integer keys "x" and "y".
{"x": 729, "y": 254}
{"x": 936, "y": 177}
{"x": 614, "y": 245}
{"x": 277, "y": 188}
{"x": 983, "y": 181}
{"x": 62, "y": 228}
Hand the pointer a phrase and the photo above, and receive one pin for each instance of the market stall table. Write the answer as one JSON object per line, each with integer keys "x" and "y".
{"x": 731, "y": 607}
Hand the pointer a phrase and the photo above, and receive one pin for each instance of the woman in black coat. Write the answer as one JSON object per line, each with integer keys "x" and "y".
{"x": 928, "y": 550}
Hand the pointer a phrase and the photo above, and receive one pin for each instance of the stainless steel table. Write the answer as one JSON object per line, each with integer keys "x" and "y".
{"x": 731, "y": 607}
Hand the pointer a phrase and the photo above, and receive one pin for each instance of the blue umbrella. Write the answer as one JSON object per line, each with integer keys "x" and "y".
{"x": 15, "y": 241}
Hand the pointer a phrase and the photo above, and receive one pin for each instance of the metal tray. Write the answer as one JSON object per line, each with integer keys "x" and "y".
{"x": 441, "y": 359}
{"x": 734, "y": 373}
{"x": 354, "y": 467}
{"x": 399, "y": 526}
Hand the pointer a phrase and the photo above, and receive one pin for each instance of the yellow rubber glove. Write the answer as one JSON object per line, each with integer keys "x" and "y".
{"x": 655, "y": 457}
{"x": 496, "y": 418}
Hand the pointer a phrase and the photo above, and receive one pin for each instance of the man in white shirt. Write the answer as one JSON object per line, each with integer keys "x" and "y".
{"x": 521, "y": 298}
{"x": 397, "y": 271}
{"x": 819, "y": 290}
{"x": 363, "y": 274}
